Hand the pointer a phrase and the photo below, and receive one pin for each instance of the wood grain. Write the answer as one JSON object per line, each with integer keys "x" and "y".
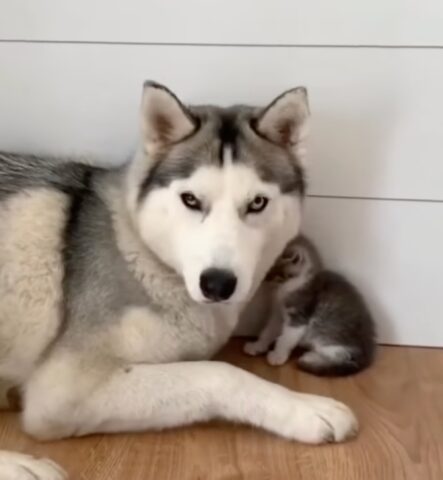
{"x": 399, "y": 402}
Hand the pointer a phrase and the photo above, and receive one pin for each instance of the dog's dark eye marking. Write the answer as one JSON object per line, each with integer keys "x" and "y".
{"x": 228, "y": 133}
{"x": 258, "y": 204}
{"x": 191, "y": 201}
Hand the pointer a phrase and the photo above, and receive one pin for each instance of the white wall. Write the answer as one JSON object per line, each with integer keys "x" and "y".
{"x": 70, "y": 80}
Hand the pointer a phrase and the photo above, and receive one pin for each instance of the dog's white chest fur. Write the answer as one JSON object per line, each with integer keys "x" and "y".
{"x": 142, "y": 336}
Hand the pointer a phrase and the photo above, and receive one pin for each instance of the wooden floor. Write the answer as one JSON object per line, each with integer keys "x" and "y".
{"x": 399, "y": 402}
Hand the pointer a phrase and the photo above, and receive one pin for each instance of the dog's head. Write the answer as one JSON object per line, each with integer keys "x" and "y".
{"x": 216, "y": 192}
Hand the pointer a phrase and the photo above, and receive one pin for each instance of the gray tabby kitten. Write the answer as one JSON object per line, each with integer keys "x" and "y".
{"x": 318, "y": 310}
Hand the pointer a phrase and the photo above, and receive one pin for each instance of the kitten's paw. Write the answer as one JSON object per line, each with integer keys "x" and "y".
{"x": 17, "y": 466}
{"x": 275, "y": 358}
{"x": 321, "y": 420}
{"x": 254, "y": 348}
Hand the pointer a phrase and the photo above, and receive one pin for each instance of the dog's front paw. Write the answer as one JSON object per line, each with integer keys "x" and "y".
{"x": 17, "y": 466}
{"x": 254, "y": 348}
{"x": 322, "y": 420}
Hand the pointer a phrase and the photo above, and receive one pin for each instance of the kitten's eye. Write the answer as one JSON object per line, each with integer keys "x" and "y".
{"x": 191, "y": 201}
{"x": 258, "y": 204}
{"x": 297, "y": 258}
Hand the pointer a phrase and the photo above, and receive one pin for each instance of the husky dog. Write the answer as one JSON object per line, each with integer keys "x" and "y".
{"x": 317, "y": 309}
{"x": 117, "y": 284}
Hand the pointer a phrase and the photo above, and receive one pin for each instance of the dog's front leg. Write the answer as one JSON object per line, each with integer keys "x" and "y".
{"x": 142, "y": 397}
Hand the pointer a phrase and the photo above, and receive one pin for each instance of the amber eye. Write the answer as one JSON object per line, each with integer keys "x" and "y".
{"x": 191, "y": 201}
{"x": 258, "y": 204}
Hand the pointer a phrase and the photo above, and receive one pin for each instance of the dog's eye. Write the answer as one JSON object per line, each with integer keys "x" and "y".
{"x": 258, "y": 204}
{"x": 191, "y": 201}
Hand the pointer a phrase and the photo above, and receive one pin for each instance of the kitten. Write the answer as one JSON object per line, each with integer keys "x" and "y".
{"x": 316, "y": 309}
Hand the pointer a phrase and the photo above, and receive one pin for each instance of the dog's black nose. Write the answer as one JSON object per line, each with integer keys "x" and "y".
{"x": 217, "y": 284}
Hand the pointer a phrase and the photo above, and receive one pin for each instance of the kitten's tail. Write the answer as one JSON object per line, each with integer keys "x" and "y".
{"x": 334, "y": 360}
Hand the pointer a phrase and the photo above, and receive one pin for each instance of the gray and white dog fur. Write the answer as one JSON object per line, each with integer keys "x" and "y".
{"x": 117, "y": 285}
{"x": 318, "y": 310}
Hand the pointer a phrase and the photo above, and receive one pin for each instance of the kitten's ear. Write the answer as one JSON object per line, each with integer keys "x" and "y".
{"x": 165, "y": 120}
{"x": 297, "y": 258}
{"x": 285, "y": 120}
{"x": 292, "y": 254}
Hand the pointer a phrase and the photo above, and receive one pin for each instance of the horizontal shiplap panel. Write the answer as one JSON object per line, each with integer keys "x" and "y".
{"x": 377, "y": 114}
{"x": 349, "y": 22}
{"x": 392, "y": 251}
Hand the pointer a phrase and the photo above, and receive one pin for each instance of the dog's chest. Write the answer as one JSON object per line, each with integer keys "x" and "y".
{"x": 142, "y": 335}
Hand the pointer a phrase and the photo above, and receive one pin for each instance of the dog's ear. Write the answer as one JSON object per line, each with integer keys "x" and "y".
{"x": 165, "y": 120}
{"x": 285, "y": 120}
